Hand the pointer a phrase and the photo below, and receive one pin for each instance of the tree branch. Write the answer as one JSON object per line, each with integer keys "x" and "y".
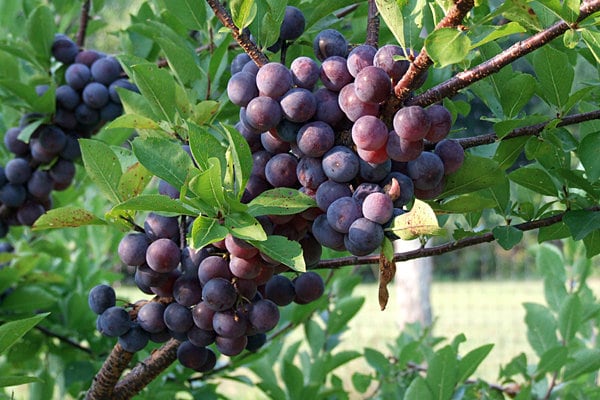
{"x": 373, "y": 25}
{"x": 443, "y": 248}
{"x": 105, "y": 380}
{"x": 422, "y": 62}
{"x": 83, "y": 22}
{"x": 64, "y": 339}
{"x": 146, "y": 371}
{"x": 239, "y": 35}
{"x": 494, "y": 64}
{"x": 530, "y": 130}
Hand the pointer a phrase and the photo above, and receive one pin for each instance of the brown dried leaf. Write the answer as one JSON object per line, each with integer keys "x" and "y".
{"x": 387, "y": 270}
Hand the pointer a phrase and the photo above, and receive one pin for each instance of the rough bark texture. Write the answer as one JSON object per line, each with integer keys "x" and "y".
{"x": 104, "y": 382}
{"x": 146, "y": 371}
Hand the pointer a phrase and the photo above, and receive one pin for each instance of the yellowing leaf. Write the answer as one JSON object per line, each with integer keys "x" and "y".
{"x": 420, "y": 220}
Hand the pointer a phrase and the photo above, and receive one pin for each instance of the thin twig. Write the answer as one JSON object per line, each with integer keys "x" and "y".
{"x": 83, "y": 22}
{"x": 531, "y": 130}
{"x": 373, "y": 25}
{"x": 240, "y": 36}
{"x": 494, "y": 64}
{"x": 443, "y": 248}
{"x": 64, "y": 339}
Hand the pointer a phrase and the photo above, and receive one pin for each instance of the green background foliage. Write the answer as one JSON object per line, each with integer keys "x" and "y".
{"x": 504, "y": 183}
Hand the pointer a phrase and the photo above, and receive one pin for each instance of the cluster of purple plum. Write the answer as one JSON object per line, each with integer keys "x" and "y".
{"x": 319, "y": 128}
{"x": 44, "y": 158}
{"x": 223, "y": 298}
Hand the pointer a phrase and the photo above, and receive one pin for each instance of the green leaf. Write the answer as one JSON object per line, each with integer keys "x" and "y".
{"x": 315, "y": 335}
{"x": 387, "y": 249}
{"x": 206, "y": 231}
{"x": 361, "y": 382}
{"x": 508, "y": 151}
{"x": 103, "y": 167}
{"x": 418, "y": 390}
{"x": 535, "y": 179}
{"x": 446, "y": 46}
{"x": 442, "y": 373}
{"x": 582, "y": 362}
{"x": 476, "y": 173}
{"x": 134, "y": 181}
{"x": 204, "y": 146}
{"x": 244, "y": 226}
{"x": 517, "y": 93}
{"x": 29, "y": 130}
{"x": 208, "y": 186}
{"x": 27, "y": 93}
{"x": 504, "y": 127}
{"x": 11, "y": 332}
{"x": 283, "y": 250}
{"x": 182, "y": 59}
{"x": 581, "y": 222}
{"x": 550, "y": 263}
{"x": 15, "y": 380}
{"x": 340, "y": 358}
{"x": 469, "y": 363}
{"x": 164, "y": 158}
{"x": 570, "y": 317}
{"x": 500, "y": 31}
{"x": 243, "y": 12}
{"x": 345, "y": 309}
{"x": 133, "y": 121}
{"x": 40, "y": 31}
{"x": 391, "y": 12}
{"x": 541, "y": 327}
{"x": 192, "y": 13}
{"x": 555, "y": 75}
{"x": 592, "y": 244}
{"x": 507, "y": 236}
{"x": 66, "y": 217}
{"x": 158, "y": 88}
{"x": 293, "y": 378}
{"x": 470, "y": 202}
{"x": 592, "y": 40}
{"x": 552, "y": 361}
{"x": 157, "y": 203}
{"x": 588, "y": 155}
{"x": 239, "y": 159}
{"x": 420, "y": 220}
{"x": 280, "y": 201}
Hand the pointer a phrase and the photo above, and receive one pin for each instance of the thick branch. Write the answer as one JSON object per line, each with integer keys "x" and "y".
{"x": 83, "y": 22}
{"x": 239, "y": 35}
{"x": 444, "y": 248}
{"x": 421, "y": 64}
{"x": 494, "y": 64}
{"x": 146, "y": 371}
{"x": 373, "y": 25}
{"x": 104, "y": 382}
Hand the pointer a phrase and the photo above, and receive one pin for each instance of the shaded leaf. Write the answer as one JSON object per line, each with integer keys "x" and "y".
{"x": 280, "y": 201}
{"x": 507, "y": 236}
{"x": 283, "y": 250}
